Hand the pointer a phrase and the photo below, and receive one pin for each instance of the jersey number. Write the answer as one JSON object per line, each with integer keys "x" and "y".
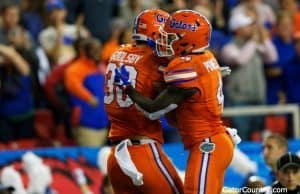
{"x": 220, "y": 95}
{"x": 115, "y": 91}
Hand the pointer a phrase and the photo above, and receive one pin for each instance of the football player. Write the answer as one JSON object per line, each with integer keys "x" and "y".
{"x": 137, "y": 163}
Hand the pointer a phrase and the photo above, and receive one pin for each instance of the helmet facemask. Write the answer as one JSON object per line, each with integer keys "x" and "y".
{"x": 164, "y": 43}
{"x": 147, "y": 25}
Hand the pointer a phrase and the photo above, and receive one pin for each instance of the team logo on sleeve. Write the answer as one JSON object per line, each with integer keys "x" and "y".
{"x": 207, "y": 147}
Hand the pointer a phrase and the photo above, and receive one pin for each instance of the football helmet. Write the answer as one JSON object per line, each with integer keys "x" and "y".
{"x": 146, "y": 25}
{"x": 185, "y": 32}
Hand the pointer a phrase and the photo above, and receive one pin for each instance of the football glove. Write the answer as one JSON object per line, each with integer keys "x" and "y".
{"x": 122, "y": 76}
{"x": 225, "y": 71}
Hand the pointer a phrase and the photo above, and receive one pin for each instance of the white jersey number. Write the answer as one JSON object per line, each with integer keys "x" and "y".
{"x": 220, "y": 94}
{"x": 115, "y": 91}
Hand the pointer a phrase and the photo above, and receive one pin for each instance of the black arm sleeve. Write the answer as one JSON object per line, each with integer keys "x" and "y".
{"x": 171, "y": 95}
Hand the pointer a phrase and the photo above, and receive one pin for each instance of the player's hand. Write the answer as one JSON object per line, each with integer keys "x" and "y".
{"x": 225, "y": 71}
{"x": 234, "y": 135}
{"x": 117, "y": 79}
{"x": 122, "y": 76}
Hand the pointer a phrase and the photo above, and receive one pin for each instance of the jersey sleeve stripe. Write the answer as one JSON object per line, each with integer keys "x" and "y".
{"x": 175, "y": 77}
{"x": 181, "y": 81}
{"x": 180, "y": 71}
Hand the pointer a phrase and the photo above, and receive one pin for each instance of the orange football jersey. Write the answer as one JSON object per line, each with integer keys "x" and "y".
{"x": 143, "y": 68}
{"x": 199, "y": 116}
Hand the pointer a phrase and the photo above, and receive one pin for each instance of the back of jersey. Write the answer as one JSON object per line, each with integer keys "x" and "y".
{"x": 126, "y": 120}
{"x": 199, "y": 116}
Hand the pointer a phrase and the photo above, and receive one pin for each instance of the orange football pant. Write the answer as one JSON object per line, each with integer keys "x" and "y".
{"x": 159, "y": 175}
{"x": 207, "y": 163}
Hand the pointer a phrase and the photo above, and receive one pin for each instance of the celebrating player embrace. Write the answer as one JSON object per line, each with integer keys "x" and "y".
{"x": 194, "y": 88}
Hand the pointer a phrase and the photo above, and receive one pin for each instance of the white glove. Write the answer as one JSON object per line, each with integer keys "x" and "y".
{"x": 225, "y": 71}
{"x": 234, "y": 135}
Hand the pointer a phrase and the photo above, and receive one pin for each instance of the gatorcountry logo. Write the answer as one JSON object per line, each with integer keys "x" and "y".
{"x": 182, "y": 25}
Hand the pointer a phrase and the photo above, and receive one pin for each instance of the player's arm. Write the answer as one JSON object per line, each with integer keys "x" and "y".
{"x": 168, "y": 99}
{"x": 165, "y": 102}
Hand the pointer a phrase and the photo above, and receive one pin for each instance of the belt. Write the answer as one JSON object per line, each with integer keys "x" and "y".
{"x": 134, "y": 141}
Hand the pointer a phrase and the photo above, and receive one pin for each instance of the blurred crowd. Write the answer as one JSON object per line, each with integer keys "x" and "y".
{"x": 53, "y": 55}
